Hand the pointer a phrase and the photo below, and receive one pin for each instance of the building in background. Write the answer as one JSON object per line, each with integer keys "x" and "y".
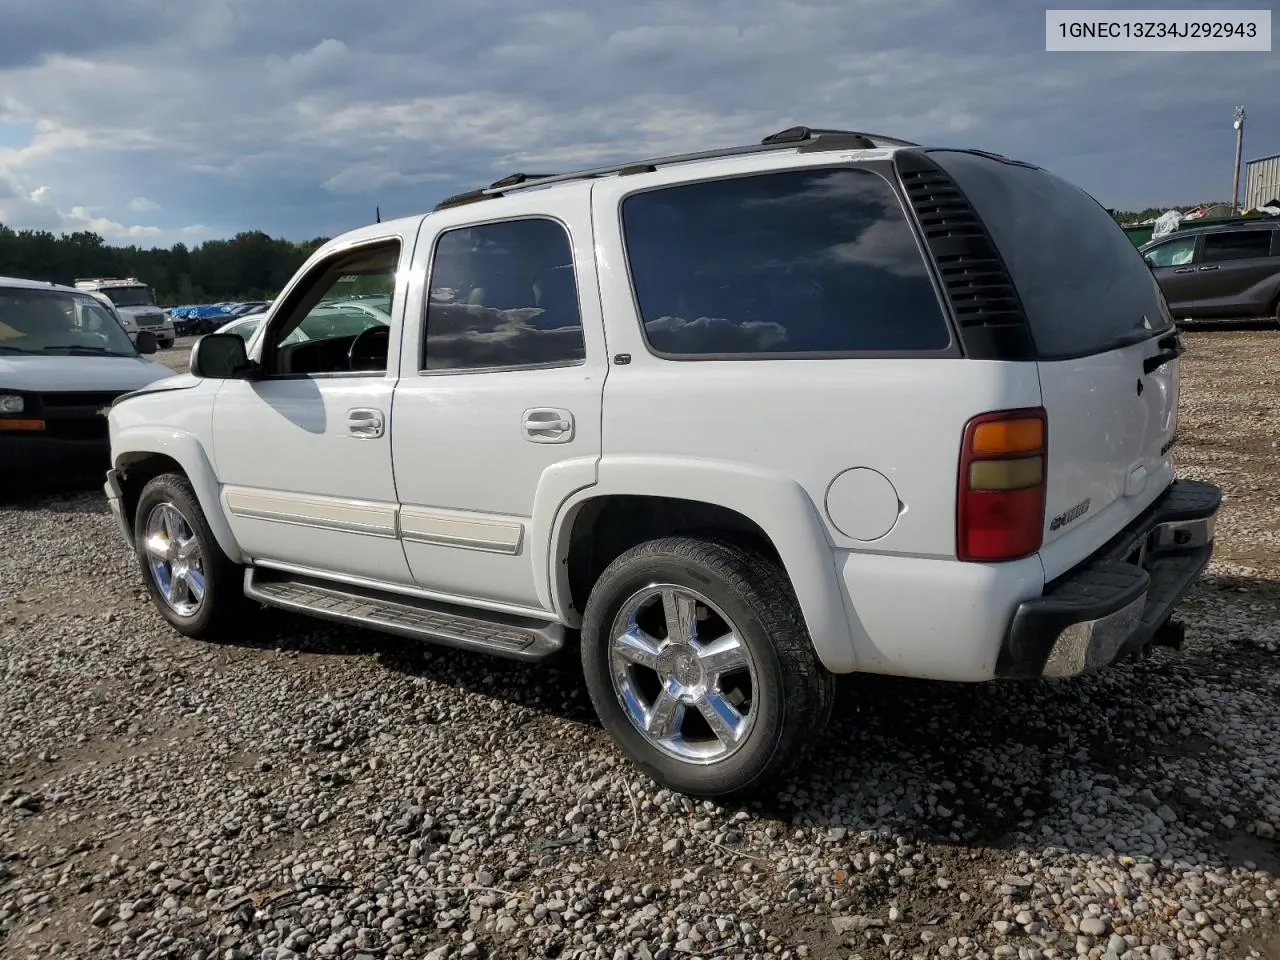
{"x": 1261, "y": 181}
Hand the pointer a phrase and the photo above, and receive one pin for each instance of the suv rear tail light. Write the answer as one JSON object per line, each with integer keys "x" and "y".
{"x": 1001, "y": 488}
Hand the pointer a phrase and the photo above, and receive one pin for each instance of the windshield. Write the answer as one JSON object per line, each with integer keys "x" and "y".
{"x": 57, "y": 322}
{"x": 131, "y": 296}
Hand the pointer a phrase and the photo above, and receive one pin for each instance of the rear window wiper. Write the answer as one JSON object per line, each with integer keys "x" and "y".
{"x": 1171, "y": 348}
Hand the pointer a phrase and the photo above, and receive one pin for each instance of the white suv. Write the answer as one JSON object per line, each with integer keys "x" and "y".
{"x": 731, "y": 423}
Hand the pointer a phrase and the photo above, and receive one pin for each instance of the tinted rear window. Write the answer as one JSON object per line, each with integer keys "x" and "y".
{"x": 1082, "y": 282}
{"x": 1237, "y": 245}
{"x": 800, "y": 262}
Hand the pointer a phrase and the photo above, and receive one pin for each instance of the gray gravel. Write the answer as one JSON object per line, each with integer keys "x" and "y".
{"x": 323, "y": 792}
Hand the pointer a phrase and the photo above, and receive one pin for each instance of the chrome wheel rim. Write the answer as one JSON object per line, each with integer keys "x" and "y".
{"x": 175, "y": 560}
{"x": 682, "y": 674}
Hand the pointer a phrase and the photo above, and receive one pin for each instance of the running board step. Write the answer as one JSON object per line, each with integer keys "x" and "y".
{"x": 498, "y": 634}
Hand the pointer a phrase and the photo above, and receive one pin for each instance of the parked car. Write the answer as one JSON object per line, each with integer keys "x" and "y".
{"x": 251, "y": 306}
{"x": 730, "y": 427}
{"x": 244, "y": 327}
{"x": 325, "y": 320}
{"x": 1223, "y": 272}
{"x": 64, "y": 359}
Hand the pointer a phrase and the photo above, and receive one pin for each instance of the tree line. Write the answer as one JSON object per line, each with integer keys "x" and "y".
{"x": 249, "y": 266}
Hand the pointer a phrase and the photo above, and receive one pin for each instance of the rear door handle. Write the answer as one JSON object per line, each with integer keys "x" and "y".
{"x": 365, "y": 423}
{"x": 1185, "y": 270}
{"x": 547, "y": 425}
{"x": 1214, "y": 267}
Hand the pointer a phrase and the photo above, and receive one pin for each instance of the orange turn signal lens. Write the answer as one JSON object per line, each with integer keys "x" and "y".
{"x": 1024, "y": 435}
{"x": 1006, "y": 474}
{"x": 25, "y": 425}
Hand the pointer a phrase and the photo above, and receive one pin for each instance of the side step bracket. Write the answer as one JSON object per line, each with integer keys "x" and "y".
{"x": 497, "y": 634}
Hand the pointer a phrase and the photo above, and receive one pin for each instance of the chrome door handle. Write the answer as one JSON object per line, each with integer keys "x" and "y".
{"x": 364, "y": 423}
{"x": 548, "y": 425}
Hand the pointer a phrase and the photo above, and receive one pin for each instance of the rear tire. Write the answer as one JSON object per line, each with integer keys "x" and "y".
{"x": 722, "y": 710}
{"x": 191, "y": 581}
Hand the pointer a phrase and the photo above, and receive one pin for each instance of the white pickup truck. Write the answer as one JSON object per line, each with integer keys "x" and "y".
{"x": 730, "y": 424}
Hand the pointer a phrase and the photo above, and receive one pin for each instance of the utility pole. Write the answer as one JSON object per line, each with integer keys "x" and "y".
{"x": 1235, "y": 174}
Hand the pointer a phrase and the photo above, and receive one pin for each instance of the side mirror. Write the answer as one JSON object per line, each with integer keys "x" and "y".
{"x": 147, "y": 343}
{"x": 220, "y": 356}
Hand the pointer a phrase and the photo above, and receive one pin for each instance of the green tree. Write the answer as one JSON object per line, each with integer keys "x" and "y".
{"x": 249, "y": 266}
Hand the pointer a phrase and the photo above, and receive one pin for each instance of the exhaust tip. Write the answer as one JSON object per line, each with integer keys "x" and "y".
{"x": 1172, "y": 634}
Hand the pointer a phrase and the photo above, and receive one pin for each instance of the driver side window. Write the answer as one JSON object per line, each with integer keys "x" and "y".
{"x": 338, "y": 320}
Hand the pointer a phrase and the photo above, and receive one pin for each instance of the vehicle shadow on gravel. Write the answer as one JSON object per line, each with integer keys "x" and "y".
{"x": 62, "y": 494}
{"x": 1138, "y": 760}
{"x": 1135, "y": 761}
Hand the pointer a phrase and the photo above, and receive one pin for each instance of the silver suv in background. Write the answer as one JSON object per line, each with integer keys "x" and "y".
{"x": 135, "y": 301}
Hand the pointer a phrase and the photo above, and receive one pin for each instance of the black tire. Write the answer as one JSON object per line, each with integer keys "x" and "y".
{"x": 223, "y": 602}
{"x": 792, "y": 694}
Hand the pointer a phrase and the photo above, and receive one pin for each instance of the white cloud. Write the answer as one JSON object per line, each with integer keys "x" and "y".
{"x": 82, "y": 218}
{"x": 325, "y": 58}
{"x": 38, "y": 209}
{"x": 292, "y": 116}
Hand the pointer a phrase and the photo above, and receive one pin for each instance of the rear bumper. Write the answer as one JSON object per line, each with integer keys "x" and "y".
{"x": 1120, "y": 599}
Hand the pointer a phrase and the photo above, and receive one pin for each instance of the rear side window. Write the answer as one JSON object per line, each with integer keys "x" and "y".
{"x": 1082, "y": 282}
{"x": 503, "y": 295}
{"x": 801, "y": 262}
{"x": 1236, "y": 245}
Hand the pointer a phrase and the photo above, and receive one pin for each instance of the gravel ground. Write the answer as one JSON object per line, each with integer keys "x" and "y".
{"x": 319, "y": 791}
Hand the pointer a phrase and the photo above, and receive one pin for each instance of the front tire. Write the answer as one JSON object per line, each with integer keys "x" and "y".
{"x": 700, "y": 667}
{"x": 191, "y": 581}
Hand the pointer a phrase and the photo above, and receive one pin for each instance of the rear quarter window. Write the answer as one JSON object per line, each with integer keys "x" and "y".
{"x": 1083, "y": 284}
{"x": 812, "y": 262}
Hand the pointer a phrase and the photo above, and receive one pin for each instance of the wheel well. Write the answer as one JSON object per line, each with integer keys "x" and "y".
{"x": 136, "y": 474}
{"x": 607, "y": 527}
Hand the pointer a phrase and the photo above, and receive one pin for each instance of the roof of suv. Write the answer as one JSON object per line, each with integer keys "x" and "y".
{"x": 796, "y": 140}
{"x": 22, "y": 284}
{"x": 800, "y": 139}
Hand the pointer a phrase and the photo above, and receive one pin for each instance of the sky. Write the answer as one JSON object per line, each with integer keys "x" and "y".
{"x": 159, "y": 121}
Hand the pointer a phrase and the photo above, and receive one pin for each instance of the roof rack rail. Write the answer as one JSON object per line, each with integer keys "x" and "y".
{"x": 806, "y": 139}
{"x": 801, "y": 134}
